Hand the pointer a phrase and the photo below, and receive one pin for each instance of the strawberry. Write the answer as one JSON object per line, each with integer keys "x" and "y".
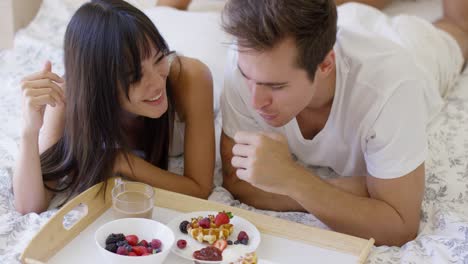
{"x": 139, "y": 250}
{"x": 220, "y": 244}
{"x": 143, "y": 243}
{"x": 132, "y": 240}
{"x": 222, "y": 218}
{"x": 132, "y": 254}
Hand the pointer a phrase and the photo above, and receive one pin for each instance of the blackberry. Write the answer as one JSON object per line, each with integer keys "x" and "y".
{"x": 114, "y": 238}
{"x": 183, "y": 226}
{"x": 229, "y": 242}
{"x": 112, "y": 247}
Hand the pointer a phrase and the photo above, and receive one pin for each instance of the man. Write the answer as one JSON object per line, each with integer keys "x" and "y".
{"x": 183, "y": 4}
{"x": 356, "y": 99}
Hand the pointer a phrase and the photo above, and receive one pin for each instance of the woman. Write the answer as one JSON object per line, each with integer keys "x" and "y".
{"x": 183, "y": 4}
{"x": 126, "y": 95}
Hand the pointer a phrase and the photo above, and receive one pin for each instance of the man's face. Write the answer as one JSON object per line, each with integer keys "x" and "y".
{"x": 279, "y": 89}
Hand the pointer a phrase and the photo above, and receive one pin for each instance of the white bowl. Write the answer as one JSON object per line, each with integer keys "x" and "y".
{"x": 143, "y": 228}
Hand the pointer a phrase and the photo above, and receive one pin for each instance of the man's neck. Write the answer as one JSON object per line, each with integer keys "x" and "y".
{"x": 324, "y": 93}
{"x": 313, "y": 118}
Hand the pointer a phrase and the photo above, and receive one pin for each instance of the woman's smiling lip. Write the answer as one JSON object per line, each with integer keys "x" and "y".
{"x": 155, "y": 100}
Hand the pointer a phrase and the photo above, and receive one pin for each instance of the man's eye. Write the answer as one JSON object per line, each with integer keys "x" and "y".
{"x": 277, "y": 87}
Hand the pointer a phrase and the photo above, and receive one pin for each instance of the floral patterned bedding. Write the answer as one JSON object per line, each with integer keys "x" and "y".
{"x": 443, "y": 236}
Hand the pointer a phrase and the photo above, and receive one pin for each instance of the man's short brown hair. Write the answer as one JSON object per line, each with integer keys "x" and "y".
{"x": 262, "y": 24}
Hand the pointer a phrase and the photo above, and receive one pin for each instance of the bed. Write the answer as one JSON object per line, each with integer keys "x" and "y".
{"x": 443, "y": 234}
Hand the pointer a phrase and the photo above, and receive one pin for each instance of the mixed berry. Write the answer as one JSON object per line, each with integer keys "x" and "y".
{"x": 131, "y": 246}
{"x": 242, "y": 238}
{"x": 181, "y": 243}
{"x": 216, "y": 224}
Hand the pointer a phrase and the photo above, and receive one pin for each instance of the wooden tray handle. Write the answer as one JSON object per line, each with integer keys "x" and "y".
{"x": 57, "y": 236}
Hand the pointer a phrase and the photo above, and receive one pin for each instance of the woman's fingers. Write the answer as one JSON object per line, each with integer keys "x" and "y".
{"x": 45, "y": 83}
{"x": 44, "y": 75}
{"x": 39, "y": 101}
{"x": 43, "y": 91}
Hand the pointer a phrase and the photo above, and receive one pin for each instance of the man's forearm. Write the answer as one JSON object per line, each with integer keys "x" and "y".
{"x": 260, "y": 199}
{"x": 349, "y": 213}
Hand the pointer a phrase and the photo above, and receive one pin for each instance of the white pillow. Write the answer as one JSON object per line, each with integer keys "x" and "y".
{"x": 197, "y": 35}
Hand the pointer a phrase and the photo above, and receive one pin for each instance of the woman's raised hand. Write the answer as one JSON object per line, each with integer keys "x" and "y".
{"x": 39, "y": 90}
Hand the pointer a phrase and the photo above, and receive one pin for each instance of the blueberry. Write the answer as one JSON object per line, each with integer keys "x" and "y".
{"x": 229, "y": 242}
{"x": 244, "y": 241}
{"x": 183, "y": 226}
{"x": 112, "y": 247}
{"x": 128, "y": 248}
{"x": 122, "y": 243}
{"x": 236, "y": 242}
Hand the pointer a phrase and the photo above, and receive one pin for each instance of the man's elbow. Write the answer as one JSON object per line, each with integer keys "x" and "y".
{"x": 202, "y": 193}
{"x": 400, "y": 238}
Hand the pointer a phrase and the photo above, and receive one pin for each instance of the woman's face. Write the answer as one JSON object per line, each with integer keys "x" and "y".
{"x": 148, "y": 96}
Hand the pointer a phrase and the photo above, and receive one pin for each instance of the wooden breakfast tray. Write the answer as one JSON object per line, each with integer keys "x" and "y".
{"x": 54, "y": 243}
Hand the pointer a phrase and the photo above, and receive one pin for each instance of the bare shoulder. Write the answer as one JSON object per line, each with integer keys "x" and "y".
{"x": 192, "y": 84}
{"x": 187, "y": 71}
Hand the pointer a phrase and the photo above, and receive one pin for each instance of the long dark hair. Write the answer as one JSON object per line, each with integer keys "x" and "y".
{"x": 105, "y": 42}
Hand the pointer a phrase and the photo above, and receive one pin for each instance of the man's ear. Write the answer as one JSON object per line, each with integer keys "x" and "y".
{"x": 328, "y": 64}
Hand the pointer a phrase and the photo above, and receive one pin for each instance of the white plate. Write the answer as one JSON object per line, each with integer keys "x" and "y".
{"x": 231, "y": 253}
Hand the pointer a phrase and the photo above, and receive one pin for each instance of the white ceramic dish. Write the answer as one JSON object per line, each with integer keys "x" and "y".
{"x": 143, "y": 228}
{"x": 231, "y": 253}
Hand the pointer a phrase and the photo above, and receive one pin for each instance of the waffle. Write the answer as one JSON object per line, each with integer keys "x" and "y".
{"x": 211, "y": 234}
{"x": 250, "y": 258}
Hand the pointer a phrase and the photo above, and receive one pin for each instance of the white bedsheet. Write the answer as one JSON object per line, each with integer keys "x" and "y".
{"x": 443, "y": 236}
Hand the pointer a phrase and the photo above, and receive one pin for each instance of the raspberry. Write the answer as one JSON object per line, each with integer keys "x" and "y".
{"x": 156, "y": 243}
{"x": 204, "y": 223}
{"x": 122, "y": 251}
{"x": 181, "y": 243}
{"x": 112, "y": 248}
{"x": 132, "y": 254}
{"x": 242, "y": 235}
{"x": 183, "y": 226}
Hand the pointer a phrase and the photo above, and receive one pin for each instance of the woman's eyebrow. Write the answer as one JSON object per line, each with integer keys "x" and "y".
{"x": 161, "y": 56}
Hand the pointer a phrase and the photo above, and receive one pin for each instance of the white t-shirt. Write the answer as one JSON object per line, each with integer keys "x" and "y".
{"x": 382, "y": 104}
